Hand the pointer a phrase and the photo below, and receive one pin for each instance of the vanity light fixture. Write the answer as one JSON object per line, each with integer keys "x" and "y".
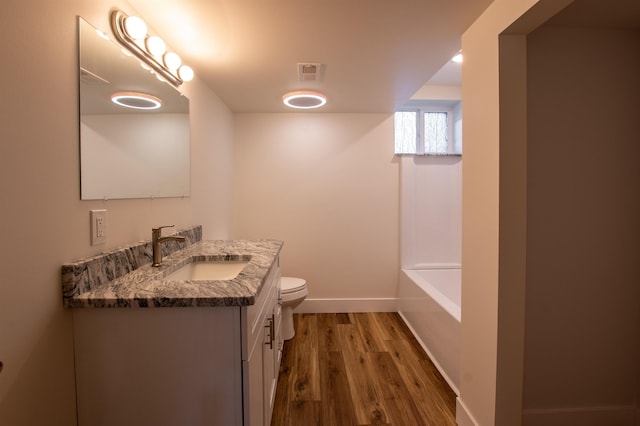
{"x": 156, "y": 46}
{"x": 172, "y": 61}
{"x": 131, "y": 31}
{"x": 136, "y": 100}
{"x": 304, "y": 99}
{"x": 185, "y": 73}
{"x": 135, "y": 27}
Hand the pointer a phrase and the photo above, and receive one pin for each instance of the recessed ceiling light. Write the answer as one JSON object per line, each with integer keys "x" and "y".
{"x": 304, "y": 99}
{"x": 136, "y": 100}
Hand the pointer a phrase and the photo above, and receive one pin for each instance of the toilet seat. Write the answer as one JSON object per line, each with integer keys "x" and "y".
{"x": 293, "y": 291}
{"x": 291, "y": 285}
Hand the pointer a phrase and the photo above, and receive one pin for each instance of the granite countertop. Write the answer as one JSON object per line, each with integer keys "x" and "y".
{"x": 147, "y": 286}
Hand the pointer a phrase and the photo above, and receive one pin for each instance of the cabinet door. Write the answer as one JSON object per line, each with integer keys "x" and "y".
{"x": 278, "y": 325}
{"x": 254, "y": 407}
{"x": 260, "y": 370}
{"x": 269, "y": 357}
{"x": 150, "y": 367}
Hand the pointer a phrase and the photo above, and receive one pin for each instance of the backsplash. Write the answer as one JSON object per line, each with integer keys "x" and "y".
{"x": 86, "y": 274}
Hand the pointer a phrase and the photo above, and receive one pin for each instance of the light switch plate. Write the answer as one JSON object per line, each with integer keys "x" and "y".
{"x": 98, "y": 227}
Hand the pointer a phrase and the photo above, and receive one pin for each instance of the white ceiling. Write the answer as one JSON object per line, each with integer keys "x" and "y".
{"x": 376, "y": 53}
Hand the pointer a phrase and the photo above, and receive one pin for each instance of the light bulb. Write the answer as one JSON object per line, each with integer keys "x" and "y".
{"x": 156, "y": 46}
{"x": 172, "y": 60}
{"x": 135, "y": 27}
{"x": 185, "y": 73}
{"x": 458, "y": 58}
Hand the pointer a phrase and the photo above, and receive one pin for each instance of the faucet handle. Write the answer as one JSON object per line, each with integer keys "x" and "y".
{"x": 157, "y": 232}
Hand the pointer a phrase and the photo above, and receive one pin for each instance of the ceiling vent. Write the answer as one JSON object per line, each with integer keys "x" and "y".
{"x": 309, "y": 71}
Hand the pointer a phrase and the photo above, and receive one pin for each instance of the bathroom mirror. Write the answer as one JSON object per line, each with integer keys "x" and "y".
{"x": 126, "y": 152}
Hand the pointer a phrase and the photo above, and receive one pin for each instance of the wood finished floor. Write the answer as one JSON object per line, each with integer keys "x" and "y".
{"x": 359, "y": 369}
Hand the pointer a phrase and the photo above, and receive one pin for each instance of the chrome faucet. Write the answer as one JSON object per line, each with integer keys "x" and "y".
{"x": 157, "y": 240}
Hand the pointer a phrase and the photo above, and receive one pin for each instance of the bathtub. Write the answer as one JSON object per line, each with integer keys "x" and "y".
{"x": 429, "y": 303}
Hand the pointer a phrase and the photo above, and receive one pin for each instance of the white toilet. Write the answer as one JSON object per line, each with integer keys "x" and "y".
{"x": 292, "y": 292}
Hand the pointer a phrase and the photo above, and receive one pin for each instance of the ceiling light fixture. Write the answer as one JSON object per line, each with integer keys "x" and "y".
{"x": 458, "y": 58}
{"x": 136, "y": 100}
{"x": 304, "y": 99}
{"x": 131, "y": 31}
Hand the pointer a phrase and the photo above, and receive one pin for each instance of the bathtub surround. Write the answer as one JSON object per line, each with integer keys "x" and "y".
{"x": 429, "y": 283}
{"x": 431, "y": 212}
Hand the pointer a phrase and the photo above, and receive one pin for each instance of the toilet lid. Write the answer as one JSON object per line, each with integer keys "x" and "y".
{"x": 289, "y": 284}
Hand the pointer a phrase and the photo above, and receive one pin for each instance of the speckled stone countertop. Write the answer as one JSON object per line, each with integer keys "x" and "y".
{"x": 147, "y": 286}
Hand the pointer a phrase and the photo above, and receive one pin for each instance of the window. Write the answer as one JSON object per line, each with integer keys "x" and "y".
{"x": 405, "y": 124}
{"x": 428, "y": 130}
{"x": 436, "y": 132}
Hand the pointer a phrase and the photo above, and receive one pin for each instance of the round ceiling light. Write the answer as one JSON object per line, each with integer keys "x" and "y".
{"x": 136, "y": 100}
{"x": 304, "y": 99}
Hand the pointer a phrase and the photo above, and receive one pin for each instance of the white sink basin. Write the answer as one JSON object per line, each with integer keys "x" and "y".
{"x": 208, "y": 271}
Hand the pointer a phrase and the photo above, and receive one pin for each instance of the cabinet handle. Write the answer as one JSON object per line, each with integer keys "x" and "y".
{"x": 270, "y": 326}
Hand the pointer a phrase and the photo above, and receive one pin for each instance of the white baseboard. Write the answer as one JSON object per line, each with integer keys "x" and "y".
{"x": 588, "y": 416}
{"x": 463, "y": 416}
{"x": 583, "y": 416}
{"x": 321, "y": 306}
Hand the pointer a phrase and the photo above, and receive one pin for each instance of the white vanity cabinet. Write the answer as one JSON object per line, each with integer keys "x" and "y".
{"x": 179, "y": 366}
{"x": 261, "y": 363}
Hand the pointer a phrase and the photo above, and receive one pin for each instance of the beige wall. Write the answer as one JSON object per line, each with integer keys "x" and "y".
{"x": 327, "y": 185}
{"x": 44, "y": 224}
{"x": 482, "y": 239}
{"x": 540, "y": 204}
{"x": 582, "y": 294}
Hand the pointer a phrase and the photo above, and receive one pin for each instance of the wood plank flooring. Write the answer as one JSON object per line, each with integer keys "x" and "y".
{"x": 359, "y": 369}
